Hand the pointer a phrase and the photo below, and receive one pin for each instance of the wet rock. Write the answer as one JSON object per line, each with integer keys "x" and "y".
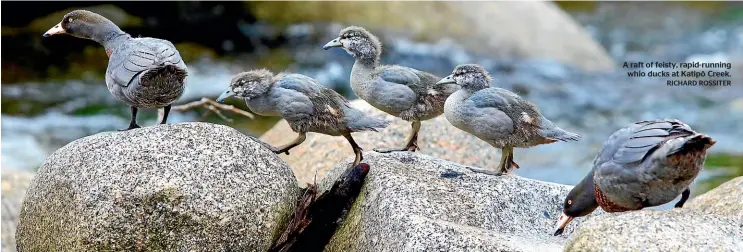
{"x": 723, "y": 200}
{"x": 175, "y": 187}
{"x": 650, "y": 230}
{"x": 406, "y": 204}
{"x": 14, "y": 186}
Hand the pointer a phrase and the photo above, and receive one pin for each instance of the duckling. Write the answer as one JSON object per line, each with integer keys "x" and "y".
{"x": 142, "y": 72}
{"x": 304, "y": 103}
{"x": 497, "y": 116}
{"x": 644, "y": 164}
{"x": 404, "y": 92}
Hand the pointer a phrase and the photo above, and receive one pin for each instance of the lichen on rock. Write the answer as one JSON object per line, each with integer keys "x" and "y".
{"x": 175, "y": 187}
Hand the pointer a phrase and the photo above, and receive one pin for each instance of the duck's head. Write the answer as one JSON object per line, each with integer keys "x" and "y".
{"x": 358, "y": 42}
{"x": 469, "y": 76}
{"x": 85, "y": 24}
{"x": 579, "y": 202}
{"x": 248, "y": 85}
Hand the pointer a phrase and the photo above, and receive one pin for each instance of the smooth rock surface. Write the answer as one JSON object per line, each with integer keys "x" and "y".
{"x": 725, "y": 199}
{"x": 14, "y": 184}
{"x": 652, "y": 230}
{"x": 518, "y": 30}
{"x": 414, "y": 202}
{"x": 174, "y": 187}
{"x": 437, "y": 138}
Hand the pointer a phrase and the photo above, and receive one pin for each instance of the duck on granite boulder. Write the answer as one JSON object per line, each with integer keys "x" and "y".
{"x": 142, "y": 72}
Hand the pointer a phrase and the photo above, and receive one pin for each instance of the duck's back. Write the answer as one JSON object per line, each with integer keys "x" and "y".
{"x": 146, "y": 72}
{"x": 648, "y": 163}
{"x": 424, "y": 98}
{"x": 310, "y": 107}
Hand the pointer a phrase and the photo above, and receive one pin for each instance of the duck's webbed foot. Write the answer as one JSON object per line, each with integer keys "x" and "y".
{"x": 285, "y": 149}
{"x": 412, "y": 144}
{"x": 131, "y": 126}
{"x": 506, "y": 164}
{"x": 484, "y": 171}
{"x": 684, "y": 196}
{"x": 133, "y": 123}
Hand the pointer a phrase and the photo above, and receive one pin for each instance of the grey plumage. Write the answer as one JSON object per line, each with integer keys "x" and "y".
{"x": 305, "y": 104}
{"x": 647, "y": 163}
{"x": 497, "y": 116}
{"x": 145, "y": 72}
{"x": 142, "y": 72}
{"x": 407, "y": 93}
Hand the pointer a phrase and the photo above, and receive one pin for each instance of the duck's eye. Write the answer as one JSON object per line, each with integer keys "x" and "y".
{"x": 570, "y": 202}
{"x": 69, "y": 20}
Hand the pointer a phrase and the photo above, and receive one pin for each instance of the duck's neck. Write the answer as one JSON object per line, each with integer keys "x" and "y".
{"x": 109, "y": 36}
{"x": 367, "y": 62}
{"x": 361, "y": 76}
{"x": 586, "y": 197}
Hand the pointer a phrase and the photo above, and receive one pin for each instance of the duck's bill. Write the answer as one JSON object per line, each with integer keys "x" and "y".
{"x": 333, "y": 43}
{"x": 57, "y": 29}
{"x": 562, "y": 222}
{"x": 226, "y": 94}
{"x": 447, "y": 80}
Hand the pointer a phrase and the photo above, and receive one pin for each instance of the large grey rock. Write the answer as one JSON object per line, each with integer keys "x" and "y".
{"x": 535, "y": 30}
{"x": 176, "y": 187}
{"x": 414, "y": 202}
{"x": 14, "y": 184}
{"x": 726, "y": 199}
{"x": 652, "y": 230}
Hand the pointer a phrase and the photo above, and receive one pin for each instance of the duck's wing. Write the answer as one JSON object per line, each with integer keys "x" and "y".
{"x": 140, "y": 55}
{"x": 292, "y": 94}
{"x": 619, "y": 168}
{"x": 396, "y": 86}
{"x": 486, "y": 112}
{"x": 643, "y": 138}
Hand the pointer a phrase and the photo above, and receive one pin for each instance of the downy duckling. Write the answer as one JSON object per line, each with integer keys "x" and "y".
{"x": 304, "y": 103}
{"x": 407, "y": 93}
{"x": 497, "y": 116}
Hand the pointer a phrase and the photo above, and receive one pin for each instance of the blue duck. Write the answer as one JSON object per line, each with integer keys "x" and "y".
{"x": 142, "y": 72}
{"x": 497, "y": 116}
{"x": 304, "y": 103}
{"x": 404, "y": 92}
{"x": 648, "y": 163}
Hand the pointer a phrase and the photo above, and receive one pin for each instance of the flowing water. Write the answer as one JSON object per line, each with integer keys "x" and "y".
{"x": 38, "y": 118}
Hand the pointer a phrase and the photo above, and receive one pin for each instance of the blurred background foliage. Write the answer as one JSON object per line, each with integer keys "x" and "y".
{"x": 57, "y": 81}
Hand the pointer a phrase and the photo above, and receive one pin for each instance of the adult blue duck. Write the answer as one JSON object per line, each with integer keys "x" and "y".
{"x": 645, "y": 164}
{"x": 142, "y": 72}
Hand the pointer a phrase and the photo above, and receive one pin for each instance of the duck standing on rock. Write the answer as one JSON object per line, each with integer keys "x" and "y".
{"x": 645, "y": 164}
{"x": 142, "y": 72}
{"x": 304, "y": 103}
{"x": 399, "y": 91}
{"x": 497, "y": 116}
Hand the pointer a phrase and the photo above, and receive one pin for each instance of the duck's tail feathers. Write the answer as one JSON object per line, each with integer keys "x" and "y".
{"x": 550, "y": 130}
{"x": 166, "y": 73}
{"x": 358, "y": 121}
{"x": 697, "y": 142}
